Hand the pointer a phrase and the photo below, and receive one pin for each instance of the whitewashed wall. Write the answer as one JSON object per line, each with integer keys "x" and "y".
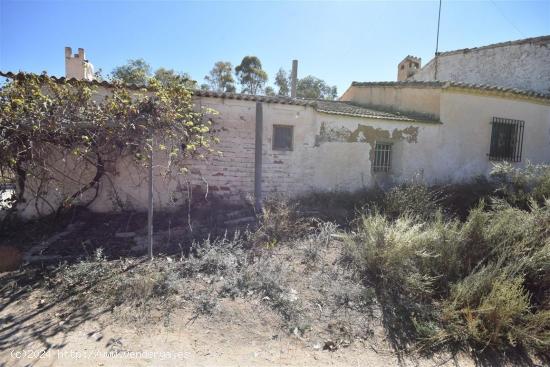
{"x": 515, "y": 65}
{"x": 331, "y": 152}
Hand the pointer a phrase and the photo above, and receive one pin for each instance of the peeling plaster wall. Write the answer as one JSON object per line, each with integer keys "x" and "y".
{"x": 351, "y": 155}
{"x": 330, "y": 152}
{"x": 523, "y": 66}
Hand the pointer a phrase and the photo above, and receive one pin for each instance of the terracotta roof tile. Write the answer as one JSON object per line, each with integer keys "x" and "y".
{"x": 540, "y": 39}
{"x": 332, "y": 107}
{"x": 451, "y": 84}
{"x": 350, "y": 109}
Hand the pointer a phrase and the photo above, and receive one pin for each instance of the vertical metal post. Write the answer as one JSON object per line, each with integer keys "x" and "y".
{"x": 294, "y": 78}
{"x": 150, "y": 201}
{"x": 437, "y": 42}
{"x": 258, "y": 158}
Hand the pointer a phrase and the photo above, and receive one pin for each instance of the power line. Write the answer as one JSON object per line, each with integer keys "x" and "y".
{"x": 438, "y": 22}
{"x": 437, "y": 41}
{"x": 507, "y": 19}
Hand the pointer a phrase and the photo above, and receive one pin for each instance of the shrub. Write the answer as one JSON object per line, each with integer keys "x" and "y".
{"x": 216, "y": 257}
{"x": 279, "y": 221}
{"x": 519, "y": 186}
{"x": 413, "y": 198}
{"x": 112, "y": 283}
{"x": 480, "y": 282}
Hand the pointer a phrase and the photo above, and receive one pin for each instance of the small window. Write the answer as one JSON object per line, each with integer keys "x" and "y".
{"x": 282, "y": 137}
{"x": 506, "y": 140}
{"x": 382, "y": 157}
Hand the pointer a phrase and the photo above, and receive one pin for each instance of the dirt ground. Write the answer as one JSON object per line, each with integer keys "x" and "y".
{"x": 332, "y": 328}
{"x": 239, "y": 333}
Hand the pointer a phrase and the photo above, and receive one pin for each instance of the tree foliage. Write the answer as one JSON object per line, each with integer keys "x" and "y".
{"x": 315, "y": 88}
{"x": 269, "y": 91}
{"x": 135, "y": 71}
{"x": 169, "y": 77}
{"x": 44, "y": 122}
{"x": 220, "y": 77}
{"x": 282, "y": 80}
{"x": 251, "y": 75}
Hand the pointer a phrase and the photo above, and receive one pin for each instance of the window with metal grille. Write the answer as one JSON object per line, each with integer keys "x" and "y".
{"x": 506, "y": 140}
{"x": 282, "y": 137}
{"x": 382, "y": 157}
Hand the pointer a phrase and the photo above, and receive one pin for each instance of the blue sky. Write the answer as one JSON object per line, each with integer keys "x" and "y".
{"x": 337, "y": 41}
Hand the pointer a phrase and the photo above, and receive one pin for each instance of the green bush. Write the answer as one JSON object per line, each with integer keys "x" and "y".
{"x": 414, "y": 199}
{"x": 519, "y": 186}
{"x": 481, "y": 282}
{"x": 279, "y": 221}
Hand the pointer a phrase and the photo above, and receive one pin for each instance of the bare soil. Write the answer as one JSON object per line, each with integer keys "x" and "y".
{"x": 239, "y": 333}
{"x": 39, "y": 328}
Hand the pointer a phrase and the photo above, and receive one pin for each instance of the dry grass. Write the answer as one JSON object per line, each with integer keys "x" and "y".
{"x": 434, "y": 277}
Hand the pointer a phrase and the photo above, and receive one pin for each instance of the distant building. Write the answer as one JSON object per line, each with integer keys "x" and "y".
{"x": 76, "y": 66}
{"x": 408, "y": 67}
{"x": 522, "y": 64}
{"x": 378, "y": 133}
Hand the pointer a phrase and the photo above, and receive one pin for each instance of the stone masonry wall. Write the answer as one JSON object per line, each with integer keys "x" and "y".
{"x": 522, "y": 65}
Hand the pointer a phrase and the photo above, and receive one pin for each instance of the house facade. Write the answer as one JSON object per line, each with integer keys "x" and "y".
{"x": 522, "y": 64}
{"x": 382, "y": 133}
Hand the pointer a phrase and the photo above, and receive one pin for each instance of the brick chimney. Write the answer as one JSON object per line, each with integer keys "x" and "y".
{"x": 76, "y": 66}
{"x": 408, "y": 67}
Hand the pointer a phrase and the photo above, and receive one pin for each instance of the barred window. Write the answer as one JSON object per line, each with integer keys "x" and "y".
{"x": 282, "y": 137}
{"x": 506, "y": 140}
{"x": 382, "y": 157}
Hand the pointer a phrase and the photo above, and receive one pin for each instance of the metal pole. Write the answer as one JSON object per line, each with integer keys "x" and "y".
{"x": 294, "y": 78}
{"x": 150, "y": 202}
{"x": 258, "y": 158}
{"x": 437, "y": 40}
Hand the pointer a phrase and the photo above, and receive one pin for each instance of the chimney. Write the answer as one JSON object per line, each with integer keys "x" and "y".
{"x": 76, "y": 66}
{"x": 408, "y": 67}
{"x": 293, "y": 78}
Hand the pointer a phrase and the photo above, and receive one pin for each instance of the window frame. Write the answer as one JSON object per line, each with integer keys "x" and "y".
{"x": 385, "y": 165}
{"x": 275, "y": 127}
{"x": 512, "y": 130}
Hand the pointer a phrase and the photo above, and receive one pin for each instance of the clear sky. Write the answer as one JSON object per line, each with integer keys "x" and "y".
{"x": 337, "y": 41}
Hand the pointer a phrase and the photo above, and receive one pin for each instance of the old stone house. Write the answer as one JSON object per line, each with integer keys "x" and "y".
{"x": 522, "y": 64}
{"x": 379, "y": 133}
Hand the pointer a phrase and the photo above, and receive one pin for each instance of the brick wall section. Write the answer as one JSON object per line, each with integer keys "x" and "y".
{"x": 230, "y": 176}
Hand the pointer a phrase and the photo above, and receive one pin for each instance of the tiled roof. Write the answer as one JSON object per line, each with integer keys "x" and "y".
{"x": 256, "y": 98}
{"x": 332, "y": 107}
{"x": 349, "y": 109}
{"x": 451, "y": 84}
{"x": 197, "y": 92}
{"x": 105, "y": 84}
{"x": 541, "y": 39}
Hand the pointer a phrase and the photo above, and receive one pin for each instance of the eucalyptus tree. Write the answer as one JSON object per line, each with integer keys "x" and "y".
{"x": 251, "y": 75}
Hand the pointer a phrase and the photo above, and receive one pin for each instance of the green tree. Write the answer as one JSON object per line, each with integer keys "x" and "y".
{"x": 282, "y": 80}
{"x": 42, "y": 119}
{"x": 315, "y": 88}
{"x": 251, "y": 75}
{"x": 269, "y": 91}
{"x": 220, "y": 77}
{"x": 135, "y": 71}
{"x": 169, "y": 77}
